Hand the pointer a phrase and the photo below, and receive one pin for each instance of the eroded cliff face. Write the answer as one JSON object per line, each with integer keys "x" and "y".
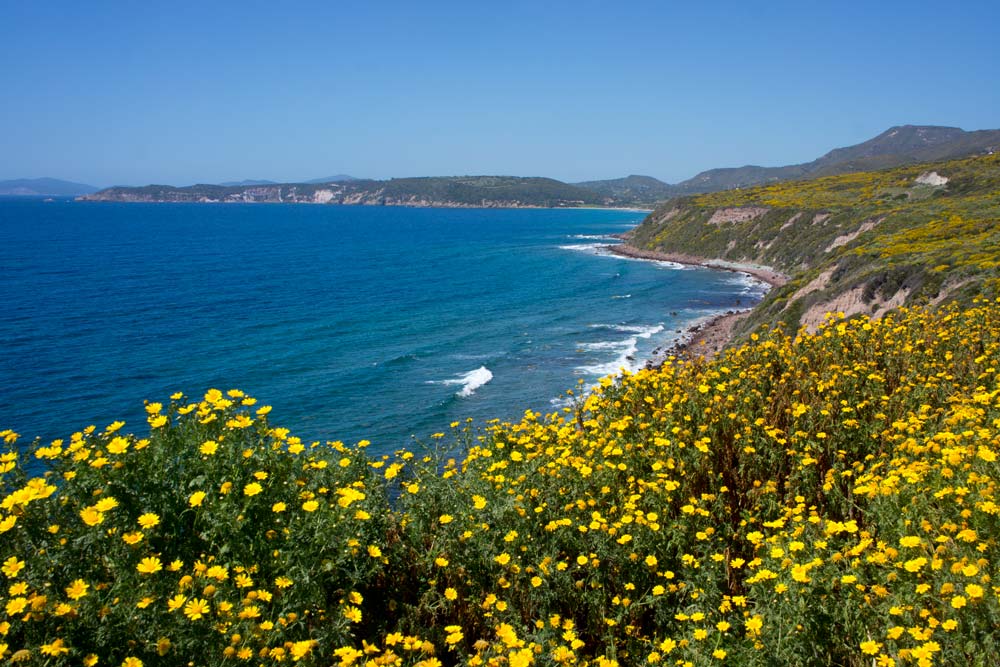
{"x": 862, "y": 244}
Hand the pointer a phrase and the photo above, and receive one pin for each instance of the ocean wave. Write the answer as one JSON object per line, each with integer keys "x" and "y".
{"x": 563, "y": 402}
{"x": 644, "y": 331}
{"x": 400, "y": 359}
{"x": 626, "y": 349}
{"x": 470, "y": 381}
{"x": 595, "y": 237}
{"x": 599, "y": 249}
{"x": 748, "y": 283}
{"x": 604, "y": 345}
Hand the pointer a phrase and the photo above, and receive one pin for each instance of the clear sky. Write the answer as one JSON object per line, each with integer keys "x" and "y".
{"x": 181, "y": 92}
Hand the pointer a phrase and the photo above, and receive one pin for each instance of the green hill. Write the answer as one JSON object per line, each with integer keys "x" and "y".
{"x": 479, "y": 191}
{"x": 897, "y": 146}
{"x": 637, "y": 189}
{"x": 859, "y": 244}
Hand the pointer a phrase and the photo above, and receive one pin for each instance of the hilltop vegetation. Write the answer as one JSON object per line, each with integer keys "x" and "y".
{"x": 457, "y": 191}
{"x": 858, "y": 243}
{"x": 897, "y": 146}
{"x": 638, "y": 189}
{"x": 827, "y": 500}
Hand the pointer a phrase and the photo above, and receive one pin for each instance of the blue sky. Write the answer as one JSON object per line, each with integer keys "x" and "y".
{"x": 134, "y": 93}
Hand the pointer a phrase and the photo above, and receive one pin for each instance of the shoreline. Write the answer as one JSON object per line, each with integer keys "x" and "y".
{"x": 763, "y": 273}
{"x": 88, "y": 199}
{"x": 704, "y": 338}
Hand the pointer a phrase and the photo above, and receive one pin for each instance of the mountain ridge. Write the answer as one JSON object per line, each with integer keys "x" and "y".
{"x": 429, "y": 191}
{"x": 38, "y": 187}
{"x": 899, "y": 145}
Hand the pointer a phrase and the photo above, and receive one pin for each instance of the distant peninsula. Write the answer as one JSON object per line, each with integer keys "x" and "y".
{"x": 898, "y": 146}
{"x": 44, "y": 187}
{"x": 447, "y": 192}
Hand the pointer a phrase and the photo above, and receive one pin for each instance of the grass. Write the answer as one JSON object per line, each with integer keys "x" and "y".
{"x": 928, "y": 239}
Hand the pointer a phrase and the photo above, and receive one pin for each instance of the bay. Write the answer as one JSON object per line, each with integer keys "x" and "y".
{"x": 377, "y": 323}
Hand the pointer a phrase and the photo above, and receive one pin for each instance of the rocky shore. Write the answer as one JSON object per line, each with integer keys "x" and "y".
{"x": 764, "y": 273}
{"x": 707, "y": 338}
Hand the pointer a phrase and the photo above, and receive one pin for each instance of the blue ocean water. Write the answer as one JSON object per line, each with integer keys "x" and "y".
{"x": 353, "y": 322}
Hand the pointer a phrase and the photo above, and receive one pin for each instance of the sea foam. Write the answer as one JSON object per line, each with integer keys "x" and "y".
{"x": 600, "y": 249}
{"x": 626, "y": 349}
{"x": 470, "y": 381}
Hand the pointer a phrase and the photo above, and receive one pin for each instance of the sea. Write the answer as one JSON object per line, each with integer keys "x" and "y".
{"x": 355, "y": 323}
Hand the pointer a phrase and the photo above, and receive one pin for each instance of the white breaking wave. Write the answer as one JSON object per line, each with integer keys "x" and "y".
{"x": 626, "y": 349}
{"x": 600, "y": 249}
{"x": 643, "y": 331}
{"x": 595, "y": 237}
{"x": 471, "y": 381}
{"x": 749, "y": 284}
{"x": 563, "y": 402}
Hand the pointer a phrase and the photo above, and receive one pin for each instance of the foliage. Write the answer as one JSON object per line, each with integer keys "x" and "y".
{"x": 439, "y": 191}
{"x": 874, "y": 231}
{"x": 823, "y": 499}
{"x": 634, "y": 189}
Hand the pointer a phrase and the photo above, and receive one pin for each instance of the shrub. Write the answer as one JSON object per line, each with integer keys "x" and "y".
{"x": 824, "y": 499}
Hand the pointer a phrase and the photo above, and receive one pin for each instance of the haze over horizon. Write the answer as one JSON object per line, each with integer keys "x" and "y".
{"x": 184, "y": 93}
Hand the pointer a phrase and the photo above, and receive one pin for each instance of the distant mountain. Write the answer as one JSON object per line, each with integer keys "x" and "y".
{"x": 632, "y": 188}
{"x": 452, "y": 191}
{"x": 898, "y": 146}
{"x": 246, "y": 182}
{"x": 339, "y": 178}
{"x": 52, "y": 187}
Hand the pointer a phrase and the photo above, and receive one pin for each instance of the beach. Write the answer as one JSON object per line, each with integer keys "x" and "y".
{"x": 709, "y": 337}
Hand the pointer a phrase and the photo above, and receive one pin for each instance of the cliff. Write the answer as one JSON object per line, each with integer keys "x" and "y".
{"x": 863, "y": 243}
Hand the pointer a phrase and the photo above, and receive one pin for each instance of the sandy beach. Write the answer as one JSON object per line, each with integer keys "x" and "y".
{"x": 708, "y": 338}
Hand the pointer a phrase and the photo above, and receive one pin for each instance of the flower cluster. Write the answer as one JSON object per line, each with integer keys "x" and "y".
{"x": 826, "y": 498}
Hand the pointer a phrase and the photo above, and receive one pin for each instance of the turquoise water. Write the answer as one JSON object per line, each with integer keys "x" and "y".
{"x": 353, "y": 322}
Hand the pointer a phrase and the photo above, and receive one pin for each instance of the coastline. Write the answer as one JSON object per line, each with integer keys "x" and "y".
{"x": 704, "y": 338}
{"x": 486, "y": 204}
{"x": 763, "y": 273}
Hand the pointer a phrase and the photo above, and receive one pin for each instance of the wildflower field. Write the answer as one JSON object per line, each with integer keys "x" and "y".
{"x": 825, "y": 499}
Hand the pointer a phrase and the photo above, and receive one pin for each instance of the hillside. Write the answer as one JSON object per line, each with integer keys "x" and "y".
{"x": 829, "y": 500}
{"x": 52, "y": 187}
{"x": 639, "y": 189}
{"x": 457, "y": 191}
{"x": 897, "y": 146}
{"x": 862, "y": 243}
